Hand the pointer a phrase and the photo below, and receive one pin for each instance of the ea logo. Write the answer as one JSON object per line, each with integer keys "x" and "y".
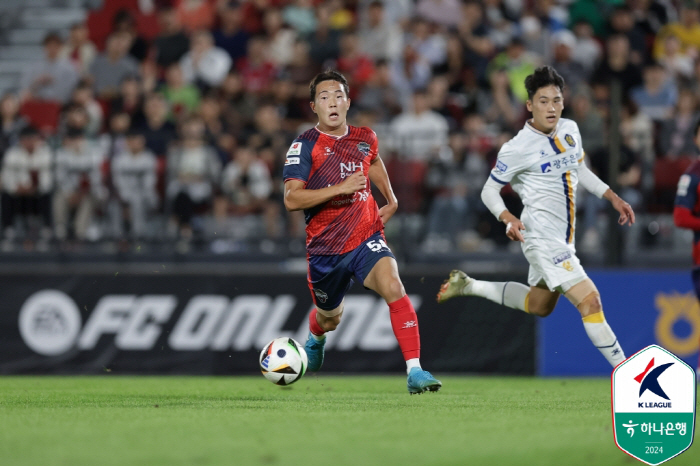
{"x": 49, "y": 322}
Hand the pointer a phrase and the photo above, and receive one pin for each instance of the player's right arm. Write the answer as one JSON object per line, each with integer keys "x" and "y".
{"x": 297, "y": 168}
{"x": 504, "y": 171}
{"x": 686, "y": 198}
{"x": 297, "y": 197}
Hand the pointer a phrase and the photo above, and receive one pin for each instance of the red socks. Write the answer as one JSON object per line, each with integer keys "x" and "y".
{"x": 403, "y": 320}
{"x": 313, "y": 324}
{"x": 405, "y": 324}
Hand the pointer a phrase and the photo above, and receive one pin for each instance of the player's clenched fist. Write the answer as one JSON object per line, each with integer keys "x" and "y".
{"x": 354, "y": 183}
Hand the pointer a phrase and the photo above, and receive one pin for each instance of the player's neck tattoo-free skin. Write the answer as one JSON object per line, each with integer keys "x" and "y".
{"x": 331, "y": 106}
{"x": 546, "y": 107}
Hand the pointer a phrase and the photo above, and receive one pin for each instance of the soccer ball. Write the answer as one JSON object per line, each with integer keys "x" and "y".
{"x": 283, "y": 361}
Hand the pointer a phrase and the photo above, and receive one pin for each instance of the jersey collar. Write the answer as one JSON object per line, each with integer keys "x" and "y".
{"x": 550, "y": 135}
{"x": 347, "y": 129}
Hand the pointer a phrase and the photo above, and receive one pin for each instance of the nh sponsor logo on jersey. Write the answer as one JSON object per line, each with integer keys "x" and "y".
{"x": 546, "y": 167}
{"x": 501, "y": 167}
{"x": 347, "y": 169}
{"x": 559, "y": 258}
{"x": 50, "y": 323}
{"x": 570, "y": 140}
{"x": 364, "y": 148}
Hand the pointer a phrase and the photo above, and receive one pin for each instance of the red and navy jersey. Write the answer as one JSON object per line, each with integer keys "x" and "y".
{"x": 321, "y": 160}
{"x": 688, "y": 199}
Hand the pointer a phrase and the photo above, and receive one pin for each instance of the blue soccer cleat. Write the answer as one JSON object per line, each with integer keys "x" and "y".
{"x": 420, "y": 381}
{"x": 314, "y": 351}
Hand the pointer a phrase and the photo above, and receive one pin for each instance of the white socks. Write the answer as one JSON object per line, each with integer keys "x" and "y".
{"x": 603, "y": 338}
{"x": 510, "y": 294}
{"x": 411, "y": 363}
{"x": 317, "y": 337}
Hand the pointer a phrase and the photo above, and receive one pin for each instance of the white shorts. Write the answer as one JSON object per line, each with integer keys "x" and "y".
{"x": 552, "y": 263}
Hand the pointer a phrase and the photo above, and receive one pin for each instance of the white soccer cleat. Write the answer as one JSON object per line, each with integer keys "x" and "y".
{"x": 458, "y": 284}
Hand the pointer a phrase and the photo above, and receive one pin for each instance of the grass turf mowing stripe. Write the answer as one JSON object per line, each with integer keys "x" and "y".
{"x": 323, "y": 420}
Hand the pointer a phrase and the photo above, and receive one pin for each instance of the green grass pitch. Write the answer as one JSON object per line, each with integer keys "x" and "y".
{"x": 321, "y": 420}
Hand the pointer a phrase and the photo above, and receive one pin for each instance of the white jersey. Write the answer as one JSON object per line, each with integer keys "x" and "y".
{"x": 542, "y": 169}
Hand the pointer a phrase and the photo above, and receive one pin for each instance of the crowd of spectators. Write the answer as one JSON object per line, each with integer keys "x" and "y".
{"x": 171, "y": 121}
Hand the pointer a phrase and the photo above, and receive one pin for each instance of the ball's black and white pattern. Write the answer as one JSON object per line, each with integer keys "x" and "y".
{"x": 283, "y": 361}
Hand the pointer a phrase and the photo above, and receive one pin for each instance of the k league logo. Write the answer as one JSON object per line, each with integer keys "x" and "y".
{"x": 650, "y": 381}
{"x": 653, "y": 402}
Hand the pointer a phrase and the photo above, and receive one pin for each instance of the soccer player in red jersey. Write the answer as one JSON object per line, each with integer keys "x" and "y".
{"x": 325, "y": 174}
{"x": 686, "y": 212}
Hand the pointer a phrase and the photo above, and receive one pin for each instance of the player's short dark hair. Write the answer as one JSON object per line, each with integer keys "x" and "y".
{"x": 542, "y": 77}
{"x": 328, "y": 75}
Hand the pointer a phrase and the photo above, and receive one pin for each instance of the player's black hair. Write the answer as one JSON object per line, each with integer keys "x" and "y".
{"x": 328, "y": 75}
{"x": 542, "y": 77}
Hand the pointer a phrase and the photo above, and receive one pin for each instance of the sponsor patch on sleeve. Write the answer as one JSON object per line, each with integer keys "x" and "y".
{"x": 292, "y": 160}
{"x": 501, "y": 167}
{"x": 683, "y": 185}
{"x": 294, "y": 149}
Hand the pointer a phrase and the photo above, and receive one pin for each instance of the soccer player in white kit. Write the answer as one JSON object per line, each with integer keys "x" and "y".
{"x": 544, "y": 163}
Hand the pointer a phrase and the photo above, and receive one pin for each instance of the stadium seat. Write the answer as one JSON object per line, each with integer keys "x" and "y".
{"x": 667, "y": 171}
{"x": 407, "y": 180}
{"x": 99, "y": 24}
{"x": 43, "y": 114}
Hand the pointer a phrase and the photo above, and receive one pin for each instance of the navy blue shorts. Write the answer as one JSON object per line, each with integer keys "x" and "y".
{"x": 330, "y": 277}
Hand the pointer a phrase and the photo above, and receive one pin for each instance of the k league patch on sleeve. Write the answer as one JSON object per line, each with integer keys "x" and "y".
{"x": 501, "y": 167}
{"x": 294, "y": 149}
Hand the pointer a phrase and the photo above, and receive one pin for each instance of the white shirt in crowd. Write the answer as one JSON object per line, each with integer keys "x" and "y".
{"x": 211, "y": 68}
{"x": 134, "y": 176}
{"x": 22, "y": 169}
{"x": 259, "y": 184}
{"x": 418, "y": 136}
{"x": 80, "y": 169}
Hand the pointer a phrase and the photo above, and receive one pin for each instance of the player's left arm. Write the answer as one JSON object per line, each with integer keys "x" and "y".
{"x": 596, "y": 186}
{"x": 380, "y": 178}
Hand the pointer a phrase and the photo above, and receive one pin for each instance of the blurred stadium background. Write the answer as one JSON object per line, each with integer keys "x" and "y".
{"x": 150, "y": 234}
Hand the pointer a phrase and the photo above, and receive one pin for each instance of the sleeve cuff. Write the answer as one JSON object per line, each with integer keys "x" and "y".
{"x": 498, "y": 181}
